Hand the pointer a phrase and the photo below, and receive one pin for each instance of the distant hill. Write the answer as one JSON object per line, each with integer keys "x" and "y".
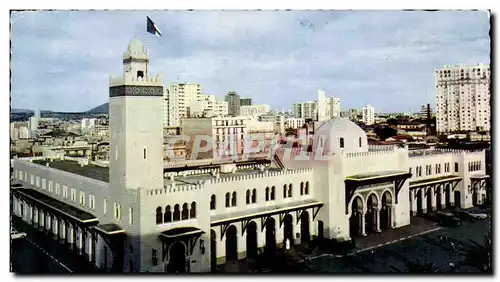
{"x": 101, "y": 109}
{"x": 21, "y": 111}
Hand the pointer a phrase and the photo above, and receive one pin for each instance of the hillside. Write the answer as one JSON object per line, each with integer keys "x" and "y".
{"x": 101, "y": 109}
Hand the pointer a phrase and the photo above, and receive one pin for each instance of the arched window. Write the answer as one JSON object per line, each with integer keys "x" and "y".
{"x": 307, "y": 188}
{"x": 301, "y": 188}
{"x": 159, "y": 216}
{"x": 248, "y": 197}
{"x": 140, "y": 74}
{"x": 267, "y": 193}
{"x": 341, "y": 142}
{"x": 168, "y": 214}
{"x": 272, "y": 193}
{"x": 290, "y": 190}
{"x": 284, "y": 191}
{"x": 360, "y": 142}
{"x": 212, "y": 202}
{"x": 254, "y": 196}
{"x": 228, "y": 199}
{"x": 177, "y": 213}
{"x": 456, "y": 167}
{"x": 192, "y": 212}
{"x": 185, "y": 211}
{"x": 233, "y": 200}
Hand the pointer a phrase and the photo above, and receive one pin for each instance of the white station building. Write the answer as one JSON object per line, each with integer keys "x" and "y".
{"x": 138, "y": 216}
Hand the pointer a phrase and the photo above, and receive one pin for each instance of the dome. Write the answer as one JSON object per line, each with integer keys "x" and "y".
{"x": 339, "y": 135}
{"x": 135, "y": 46}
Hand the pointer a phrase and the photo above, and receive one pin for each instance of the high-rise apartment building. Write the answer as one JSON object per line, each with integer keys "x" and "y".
{"x": 245, "y": 101}
{"x": 234, "y": 103}
{"x": 368, "y": 115}
{"x": 328, "y": 107}
{"x": 254, "y": 110}
{"x": 177, "y": 101}
{"x": 463, "y": 98}
{"x": 306, "y": 110}
{"x": 208, "y": 106}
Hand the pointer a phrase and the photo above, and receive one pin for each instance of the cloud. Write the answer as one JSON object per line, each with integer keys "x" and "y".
{"x": 62, "y": 60}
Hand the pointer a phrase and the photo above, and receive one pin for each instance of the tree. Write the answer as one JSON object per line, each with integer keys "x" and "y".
{"x": 385, "y": 132}
{"x": 392, "y": 121}
{"x": 419, "y": 267}
{"x": 478, "y": 255}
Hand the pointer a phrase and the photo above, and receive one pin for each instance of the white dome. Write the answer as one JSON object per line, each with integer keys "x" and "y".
{"x": 135, "y": 46}
{"x": 339, "y": 135}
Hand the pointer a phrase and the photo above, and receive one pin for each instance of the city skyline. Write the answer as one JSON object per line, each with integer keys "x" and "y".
{"x": 275, "y": 58}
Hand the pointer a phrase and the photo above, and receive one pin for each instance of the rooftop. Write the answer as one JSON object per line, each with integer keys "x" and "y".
{"x": 90, "y": 171}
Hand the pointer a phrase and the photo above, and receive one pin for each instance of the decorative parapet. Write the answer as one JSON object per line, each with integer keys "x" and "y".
{"x": 132, "y": 80}
{"x": 376, "y": 152}
{"x": 442, "y": 151}
{"x": 265, "y": 174}
{"x": 173, "y": 188}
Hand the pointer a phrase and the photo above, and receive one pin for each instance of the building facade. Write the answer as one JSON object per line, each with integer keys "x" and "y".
{"x": 178, "y": 100}
{"x": 368, "y": 115}
{"x": 254, "y": 110}
{"x": 245, "y": 101}
{"x": 233, "y": 103}
{"x": 328, "y": 107}
{"x": 306, "y": 110}
{"x": 142, "y": 215}
{"x": 463, "y": 98}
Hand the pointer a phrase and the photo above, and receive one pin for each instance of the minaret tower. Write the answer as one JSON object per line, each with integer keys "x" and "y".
{"x": 135, "y": 124}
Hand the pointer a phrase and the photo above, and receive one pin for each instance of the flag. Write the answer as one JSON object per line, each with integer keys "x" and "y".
{"x": 151, "y": 27}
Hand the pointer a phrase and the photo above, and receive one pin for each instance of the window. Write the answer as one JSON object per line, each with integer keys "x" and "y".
{"x": 341, "y": 142}
{"x": 144, "y": 152}
{"x": 44, "y": 185}
{"x": 301, "y": 188}
{"x": 192, "y": 211}
{"x": 159, "y": 216}
{"x": 410, "y": 170}
{"x": 38, "y": 181}
{"x": 233, "y": 200}
{"x": 73, "y": 194}
{"x": 212, "y": 202}
{"x": 290, "y": 190}
{"x": 65, "y": 191}
{"x": 177, "y": 213}
{"x": 360, "y": 142}
{"x": 228, "y": 199}
{"x": 456, "y": 167}
{"x": 185, "y": 211}
{"x": 267, "y": 194}
{"x": 254, "y": 196}
{"x": 307, "y": 188}
{"x": 130, "y": 216}
{"x": 82, "y": 198}
{"x": 247, "y": 197}
{"x": 168, "y": 214}
{"x": 284, "y": 191}
{"x": 272, "y": 193}
{"x": 105, "y": 209}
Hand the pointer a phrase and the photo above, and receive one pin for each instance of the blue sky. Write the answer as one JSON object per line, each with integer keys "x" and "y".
{"x": 62, "y": 60}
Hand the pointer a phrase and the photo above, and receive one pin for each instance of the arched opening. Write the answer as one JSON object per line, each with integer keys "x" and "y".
{"x": 355, "y": 219}
{"x": 288, "y": 229}
{"x": 418, "y": 195}
{"x": 305, "y": 234}
{"x": 360, "y": 142}
{"x": 177, "y": 258}
{"x": 371, "y": 215}
{"x": 290, "y": 190}
{"x": 185, "y": 211}
{"x": 447, "y": 196}
{"x": 168, "y": 214}
{"x": 273, "y": 190}
{"x": 284, "y": 191}
{"x": 254, "y": 196}
{"x": 457, "y": 199}
{"x": 307, "y": 188}
{"x": 192, "y": 211}
{"x": 439, "y": 194}
{"x": 177, "y": 213}
{"x": 231, "y": 244}
{"x": 270, "y": 236}
{"x": 212, "y": 202}
{"x": 385, "y": 212}
{"x": 474, "y": 197}
{"x": 228, "y": 199}
{"x": 247, "y": 197}
{"x": 213, "y": 250}
{"x": 159, "y": 216}
{"x": 301, "y": 188}
{"x": 321, "y": 229}
{"x": 428, "y": 198}
{"x": 252, "y": 239}
{"x": 456, "y": 167}
{"x": 267, "y": 193}
{"x": 341, "y": 142}
{"x": 140, "y": 74}
{"x": 233, "y": 200}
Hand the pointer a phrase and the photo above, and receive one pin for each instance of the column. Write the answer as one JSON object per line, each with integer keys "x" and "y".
{"x": 35, "y": 217}
{"x": 42, "y": 220}
{"x": 62, "y": 234}
{"x": 55, "y": 227}
{"x": 32, "y": 215}
{"x": 424, "y": 200}
{"x": 363, "y": 231}
{"x": 393, "y": 216}
{"x": 90, "y": 244}
{"x": 49, "y": 223}
{"x": 377, "y": 218}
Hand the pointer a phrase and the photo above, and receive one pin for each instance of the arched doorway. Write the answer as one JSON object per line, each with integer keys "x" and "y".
{"x": 305, "y": 234}
{"x": 418, "y": 195}
{"x": 270, "y": 235}
{"x": 457, "y": 199}
{"x": 447, "y": 196}
{"x": 231, "y": 244}
{"x": 439, "y": 193}
{"x": 474, "y": 197}
{"x": 213, "y": 250}
{"x": 386, "y": 211}
{"x": 252, "y": 239}
{"x": 177, "y": 258}
{"x": 428, "y": 198}
{"x": 288, "y": 229}
{"x": 321, "y": 229}
{"x": 355, "y": 219}
{"x": 371, "y": 215}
